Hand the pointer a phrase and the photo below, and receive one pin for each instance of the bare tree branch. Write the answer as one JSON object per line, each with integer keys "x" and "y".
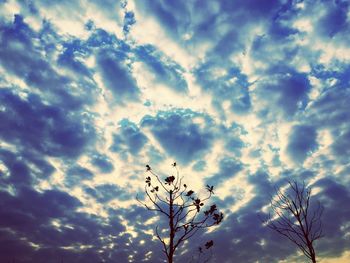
{"x": 182, "y": 209}
{"x": 291, "y": 216}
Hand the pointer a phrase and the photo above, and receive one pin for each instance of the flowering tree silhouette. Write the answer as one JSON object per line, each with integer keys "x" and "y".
{"x": 292, "y": 216}
{"x": 182, "y": 209}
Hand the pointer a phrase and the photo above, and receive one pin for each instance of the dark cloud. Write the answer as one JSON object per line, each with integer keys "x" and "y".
{"x": 244, "y": 228}
{"x": 100, "y": 37}
{"x": 279, "y": 29}
{"x": 341, "y": 75}
{"x": 18, "y": 170}
{"x": 137, "y": 216}
{"x": 230, "y": 43}
{"x": 181, "y": 18}
{"x": 228, "y": 168}
{"x": 341, "y": 145}
{"x": 233, "y": 142}
{"x": 73, "y": 51}
{"x": 166, "y": 71}
{"x": 293, "y": 90}
{"x": 284, "y": 89}
{"x": 329, "y": 112}
{"x": 334, "y": 198}
{"x": 284, "y": 52}
{"x": 117, "y": 76}
{"x": 77, "y": 174}
{"x": 335, "y": 19}
{"x": 107, "y": 192}
{"x": 19, "y": 56}
{"x": 49, "y": 204}
{"x": 102, "y": 162}
{"x": 232, "y": 87}
{"x": 252, "y": 7}
{"x": 179, "y": 135}
{"x": 154, "y": 155}
{"x": 25, "y": 60}
{"x": 129, "y": 20}
{"x": 239, "y": 230}
{"x": 302, "y": 141}
{"x": 30, "y": 214}
{"x": 29, "y": 211}
{"x": 172, "y": 15}
{"x": 130, "y": 138}
{"x": 40, "y": 127}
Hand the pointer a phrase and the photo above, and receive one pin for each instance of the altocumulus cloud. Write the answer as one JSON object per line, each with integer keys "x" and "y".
{"x": 243, "y": 95}
{"x": 179, "y": 135}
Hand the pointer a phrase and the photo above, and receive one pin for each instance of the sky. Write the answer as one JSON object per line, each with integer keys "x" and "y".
{"x": 243, "y": 95}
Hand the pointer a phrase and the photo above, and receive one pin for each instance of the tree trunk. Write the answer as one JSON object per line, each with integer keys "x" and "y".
{"x": 313, "y": 254}
{"x": 171, "y": 227}
{"x": 311, "y": 250}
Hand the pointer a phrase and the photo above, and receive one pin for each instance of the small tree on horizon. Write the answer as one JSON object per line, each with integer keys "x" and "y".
{"x": 183, "y": 210}
{"x": 292, "y": 216}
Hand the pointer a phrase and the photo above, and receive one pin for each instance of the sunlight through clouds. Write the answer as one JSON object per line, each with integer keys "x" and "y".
{"x": 242, "y": 95}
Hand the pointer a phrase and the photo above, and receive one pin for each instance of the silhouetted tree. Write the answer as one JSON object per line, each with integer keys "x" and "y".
{"x": 293, "y": 216}
{"x": 182, "y": 209}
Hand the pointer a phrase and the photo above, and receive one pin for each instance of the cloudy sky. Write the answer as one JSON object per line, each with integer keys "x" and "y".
{"x": 244, "y": 95}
